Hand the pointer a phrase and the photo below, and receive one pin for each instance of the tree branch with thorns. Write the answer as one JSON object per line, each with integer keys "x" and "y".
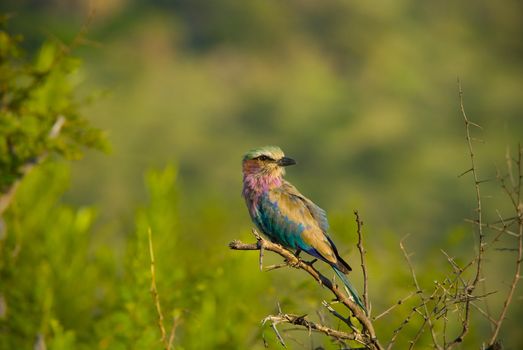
{"x": 446, "y": 309}
{"x": 366, "y": 336}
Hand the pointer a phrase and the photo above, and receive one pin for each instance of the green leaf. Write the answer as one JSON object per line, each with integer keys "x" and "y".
{"x": 46, "y": 58}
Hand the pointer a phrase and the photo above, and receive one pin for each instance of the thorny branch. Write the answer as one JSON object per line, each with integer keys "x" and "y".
{"x": 518, "y": 207}
{"x": 455, "y": 296}
{"x": 363, "y": 263}
{"x": 292, "y": 260}
{"x": 302, "y": 321}
{"x": 425, "y": 314}
{"x": 398, "y": 303}
{"x": 479, "y": 260}
{"x": 447, "y": 307}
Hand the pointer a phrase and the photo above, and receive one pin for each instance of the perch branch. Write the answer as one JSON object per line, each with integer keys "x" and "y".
{"x": 293, "y": 261}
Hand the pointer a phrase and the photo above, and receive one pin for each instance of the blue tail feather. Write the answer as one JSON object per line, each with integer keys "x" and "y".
{"x": 351, "y": 289}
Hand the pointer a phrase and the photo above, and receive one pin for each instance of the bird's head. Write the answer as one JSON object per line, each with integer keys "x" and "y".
{"x": 266, "y": 161}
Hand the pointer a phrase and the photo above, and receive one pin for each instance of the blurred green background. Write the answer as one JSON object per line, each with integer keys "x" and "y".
{"x": 363, "y": 94}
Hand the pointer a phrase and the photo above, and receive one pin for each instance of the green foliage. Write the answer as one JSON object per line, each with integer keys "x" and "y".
{"x": 51, "y": 280}
{"x": 357, "y": 93}
{"x": 197, "y": 287}
{"x": 71, "y": 291}
{"x": 34, "y": 95}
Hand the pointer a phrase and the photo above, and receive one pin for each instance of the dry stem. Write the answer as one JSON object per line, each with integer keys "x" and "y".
{"x": 167, "y": 343}
{"x": 519, "y": 210}
{"x": 479, "y": 260}
{"x": 363, "y": 263}
{"x": 426, "y": 314}
{"x": 313, "y": 327}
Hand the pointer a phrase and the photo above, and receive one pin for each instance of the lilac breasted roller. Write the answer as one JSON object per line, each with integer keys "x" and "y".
{"x": 286, "y": 216}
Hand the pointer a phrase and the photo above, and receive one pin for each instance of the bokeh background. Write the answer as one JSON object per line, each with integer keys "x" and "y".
{"x": 363, "y": 94}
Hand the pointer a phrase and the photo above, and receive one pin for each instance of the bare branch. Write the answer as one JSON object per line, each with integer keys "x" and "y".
{"x": 398, "y": 303}
{"x": 293, "y": 261}
{"x": 484, "y": 313}
{"x": 156, "y": 297}
{"x": 479, "y": 260}
{"x": 400, "y": 328}
{"x": 426, "y": 315}
{"x": 176, "y": 322}
{"x": 312, "y": 327}
{"x": 336, "y": 314}
{"x": 517, "y": 270}
{"x": 273, "y": 325}
{"x": 363, "y": 263}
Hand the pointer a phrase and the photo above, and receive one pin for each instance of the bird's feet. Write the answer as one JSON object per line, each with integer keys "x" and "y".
{"x": 296, "y": 262}
{"x": 297, "y": 255}
{"x": 293, "y": 262}
{"x": 310, "y": 263}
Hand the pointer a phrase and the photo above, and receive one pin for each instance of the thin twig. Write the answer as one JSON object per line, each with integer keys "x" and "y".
{"x": 500, "y": 230}
{"x": 393, "y": 306}
{"x": 520, "y": 178}
{"x": 280, "y": 338}
{"x": 486, "y": 314}
{"x": 458, "y": 271}
{"x": 363, "y": 263}
{"x": 154, "y": 293}
{"x": 399, "y": 329}
{"x": 426, "y": 315}
{"x": 312, "y": 327}
{"x": 176, "y": 321}
{"x": 336, "y": 314}
{"x": 516, "y": 278}
{"x": 275, "y": 267}
{"x": 479, "y": 260}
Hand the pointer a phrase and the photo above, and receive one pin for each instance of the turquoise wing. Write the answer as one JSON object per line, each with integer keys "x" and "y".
{"x": 290, "y": 219}
{"x": 277, "y": 224}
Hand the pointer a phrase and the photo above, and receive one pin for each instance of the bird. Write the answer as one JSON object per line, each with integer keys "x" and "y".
{"x": 286, "y": 216}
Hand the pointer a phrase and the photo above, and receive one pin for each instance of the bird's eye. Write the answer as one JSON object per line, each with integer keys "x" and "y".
{"x": 264, "y": 158}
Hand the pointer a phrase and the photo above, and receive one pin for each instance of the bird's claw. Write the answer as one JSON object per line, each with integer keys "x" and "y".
{"x": 293, "y": 262}
{"x": 297, "y": 261}
{"x": 311, "y": 263}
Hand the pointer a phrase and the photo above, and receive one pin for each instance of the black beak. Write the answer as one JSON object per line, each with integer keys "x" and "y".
{"x": 285, "y": 161}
